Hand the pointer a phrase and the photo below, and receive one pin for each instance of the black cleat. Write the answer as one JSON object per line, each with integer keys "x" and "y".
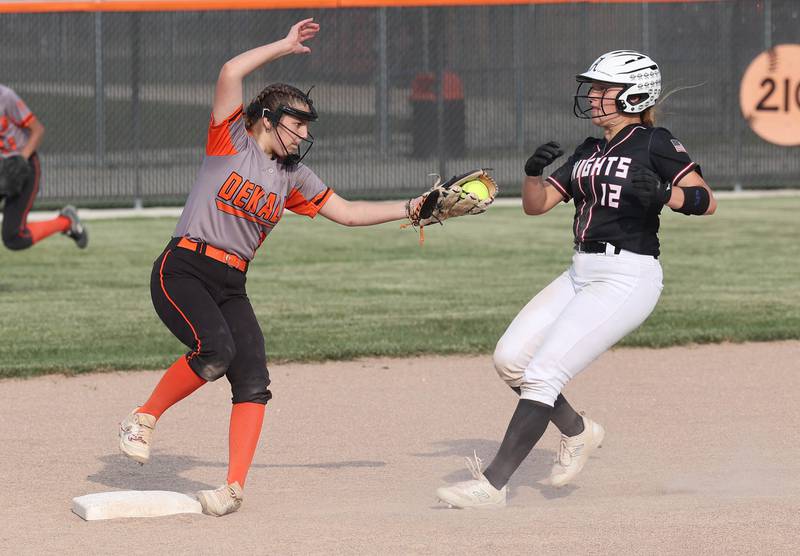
{"x": 77, "y": 230}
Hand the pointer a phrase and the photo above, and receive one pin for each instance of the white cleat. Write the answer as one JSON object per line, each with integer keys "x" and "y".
{"x": 224, "y": 500}
{"x": 136, "y": 435}
{"x": 574, "y": 452}
{"x": 477, "y": 493}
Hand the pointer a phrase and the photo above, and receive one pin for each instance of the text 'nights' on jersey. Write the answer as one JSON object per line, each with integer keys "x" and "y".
{"x": 597, "y": 178}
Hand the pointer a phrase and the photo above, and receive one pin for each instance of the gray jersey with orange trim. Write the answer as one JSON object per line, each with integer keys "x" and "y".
{"x": 15, "y": 117}
{"x": 240, "y": 193}
{"x": 597, "y": 178}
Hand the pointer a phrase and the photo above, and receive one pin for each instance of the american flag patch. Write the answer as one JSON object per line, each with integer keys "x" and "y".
{"x": 678, "y": 146}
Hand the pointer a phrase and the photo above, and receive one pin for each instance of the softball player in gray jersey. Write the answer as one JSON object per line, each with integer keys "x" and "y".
{"x": 619, "y": 185}
{"x": 251, "y": 172}
{"x": 21, "y": 133}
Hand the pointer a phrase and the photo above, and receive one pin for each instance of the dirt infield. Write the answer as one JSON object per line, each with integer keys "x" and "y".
{"x": 699, "y": 458}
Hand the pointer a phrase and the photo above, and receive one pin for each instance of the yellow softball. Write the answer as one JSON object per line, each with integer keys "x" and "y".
{"x": 477, "y": 188}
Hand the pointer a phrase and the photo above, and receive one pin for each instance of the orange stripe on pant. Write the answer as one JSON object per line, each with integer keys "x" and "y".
{"x": 164, "y": 289}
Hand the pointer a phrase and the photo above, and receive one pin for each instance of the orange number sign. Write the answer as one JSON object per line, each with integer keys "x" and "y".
{"x": 770, "y": 95}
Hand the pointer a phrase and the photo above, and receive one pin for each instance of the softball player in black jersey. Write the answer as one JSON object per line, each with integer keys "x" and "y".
{"x": 619, "y": 184}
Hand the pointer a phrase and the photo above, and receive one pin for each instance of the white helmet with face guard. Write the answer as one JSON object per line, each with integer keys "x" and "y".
{"x": 636, "y": 73}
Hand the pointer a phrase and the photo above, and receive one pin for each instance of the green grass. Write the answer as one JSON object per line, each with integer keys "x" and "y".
{"x": 323, "y": 291}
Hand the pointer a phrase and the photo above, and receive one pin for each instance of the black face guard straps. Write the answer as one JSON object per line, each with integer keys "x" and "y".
{"x": 309, "y": 115}
{"x": 582, "y": 108}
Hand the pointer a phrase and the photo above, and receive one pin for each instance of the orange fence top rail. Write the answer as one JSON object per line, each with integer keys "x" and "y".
{"x": 33, "y": 6}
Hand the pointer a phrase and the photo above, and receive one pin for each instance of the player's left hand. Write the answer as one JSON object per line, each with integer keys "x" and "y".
{"x": 300, "y": 32}
{"x": 649, "y": 187}
{"x": 413, "y": 205}
{"x": 447, "y": 200}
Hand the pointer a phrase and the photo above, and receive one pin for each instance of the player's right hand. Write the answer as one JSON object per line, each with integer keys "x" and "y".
{"x": 299, "y": 33}
{"x": 543, "y": 156}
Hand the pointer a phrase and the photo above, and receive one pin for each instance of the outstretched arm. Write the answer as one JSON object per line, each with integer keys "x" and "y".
{"x": 228, "y": 92}
{"x": 363, "y": 213}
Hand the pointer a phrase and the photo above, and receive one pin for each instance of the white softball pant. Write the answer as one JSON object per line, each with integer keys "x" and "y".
{"x": 577, "y": 317}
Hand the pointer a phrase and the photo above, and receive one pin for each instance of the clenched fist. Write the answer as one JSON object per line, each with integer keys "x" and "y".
{"x": 543, "y": 156}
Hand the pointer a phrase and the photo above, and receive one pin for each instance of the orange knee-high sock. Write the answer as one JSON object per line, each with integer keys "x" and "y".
{"x": 178, "y": 382}
{"x": 246, "y": 421}
{"x": 41, "y": 230}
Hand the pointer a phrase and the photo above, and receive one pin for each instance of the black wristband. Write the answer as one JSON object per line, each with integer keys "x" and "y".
{"x": 695, "y": 200}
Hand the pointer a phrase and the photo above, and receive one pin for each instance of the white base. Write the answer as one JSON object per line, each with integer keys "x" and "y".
{"x": 134, "y": 503}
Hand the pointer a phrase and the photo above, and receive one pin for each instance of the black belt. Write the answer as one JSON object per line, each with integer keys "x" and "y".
{"x": 594, "y": 247}
{"x": 599, "y": 247}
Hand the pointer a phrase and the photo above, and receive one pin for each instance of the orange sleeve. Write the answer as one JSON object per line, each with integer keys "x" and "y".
{"x": 300, "y": 205}
{"x": 29, "y": 119}
{"x": 220, "y": 142}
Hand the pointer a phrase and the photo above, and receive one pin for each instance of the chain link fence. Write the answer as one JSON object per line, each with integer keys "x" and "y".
{"x": 402, "y": 92}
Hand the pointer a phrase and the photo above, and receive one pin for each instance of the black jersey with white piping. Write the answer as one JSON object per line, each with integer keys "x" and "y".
{"x": 597, "y": 177}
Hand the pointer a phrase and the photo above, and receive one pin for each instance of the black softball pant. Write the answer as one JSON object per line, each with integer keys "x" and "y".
{"x": 204, "y": 304}
{"x": 16, "y": 234}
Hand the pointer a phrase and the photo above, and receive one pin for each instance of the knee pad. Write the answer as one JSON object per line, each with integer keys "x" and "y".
{"x": 251, "y": 392}
{"x": 213, "y": 363}
{"x": 16, "y": 242}
{"x": 249, "y": 376}
{"x": 250, "y": 384}
{"x": 506, "y": 365}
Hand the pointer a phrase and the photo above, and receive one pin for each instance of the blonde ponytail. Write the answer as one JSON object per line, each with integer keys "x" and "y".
{"x": 649, "y": 117}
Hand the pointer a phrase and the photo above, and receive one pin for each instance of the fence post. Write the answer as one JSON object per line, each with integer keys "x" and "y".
{"x": 767, "y": 24}
{"x": 382, "y": 92}
{"x": 99, "y": 93}
{"x": 645, "y": 28}
{"x": 426, "y": 36}
{"x": 735, "y": 56}
{"x": 136, "y": 115}
{"x": 517, "y": 44}
{"x": 440, "y": 67}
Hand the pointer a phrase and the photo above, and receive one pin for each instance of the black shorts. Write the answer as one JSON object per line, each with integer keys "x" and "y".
{"x": 16, "y": 234}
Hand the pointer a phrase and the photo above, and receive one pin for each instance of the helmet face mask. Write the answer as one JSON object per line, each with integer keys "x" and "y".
{"x": 589, "y": 91}
{"x": 274, "y": 117}
{"x": 637, "y": 74}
